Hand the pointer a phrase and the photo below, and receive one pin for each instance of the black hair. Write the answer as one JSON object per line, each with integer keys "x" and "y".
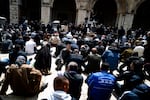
{"x": 73, "y": 66}
{"x": 105, "y": 66}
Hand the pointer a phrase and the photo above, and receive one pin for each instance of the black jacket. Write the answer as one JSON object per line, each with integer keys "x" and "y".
{"x": 76, "y": 81}
{"x": 140, "y": 92}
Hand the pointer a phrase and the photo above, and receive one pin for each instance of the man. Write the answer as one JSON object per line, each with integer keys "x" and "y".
{"x": 135, "y": 69}
{"x": 61, "y": 86}
{"x": 23, "y": 79}
{"x": 101, "y": 84}
{"x": 17, "y": 51}
{"x": 30, "y": 46}
{"x": 140, "y": 91}
{"x": 75, "y": 80}
{"x": 111, "y": 56}
{"x": 6, "y": 45}
{"x": 139, "y": 49}
{"x": 64, "y": 55}
{"x": 43, "y": 60}
{"x": 94, "y": 60}
{"x": 20, "y": 41}
{"x": 100, "y": 47}
{"x": 78, "y": 58}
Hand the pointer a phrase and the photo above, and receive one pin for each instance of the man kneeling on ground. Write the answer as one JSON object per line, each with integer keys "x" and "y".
{"x": 23, "y": 79}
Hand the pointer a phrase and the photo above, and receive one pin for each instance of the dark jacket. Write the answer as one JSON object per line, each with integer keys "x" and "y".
{"x": 78, "y": 59}
{"x": 76, "y": 81}
{"x": 65, "y": 55}
{"x": 14, "y": 54}
{"x": 43, "y": 58}
{"x": 93, "y": 63}
{"x": 7, "y": 45}
{"x": 140, "y": 92}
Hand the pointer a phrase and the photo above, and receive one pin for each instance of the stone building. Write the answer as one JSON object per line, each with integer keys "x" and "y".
{"x": 127, "y": 13}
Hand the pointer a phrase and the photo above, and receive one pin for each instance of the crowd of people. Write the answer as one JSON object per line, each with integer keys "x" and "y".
{"x": 94, "y": 50}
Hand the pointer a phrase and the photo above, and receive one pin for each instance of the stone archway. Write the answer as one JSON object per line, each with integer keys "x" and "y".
{"x": 105, "y": 11}
{"x": 4, "y": 8}
{"x": 64, "y": 10}
{"x": 30, "y": 9}
{"x": 142, "y": 15}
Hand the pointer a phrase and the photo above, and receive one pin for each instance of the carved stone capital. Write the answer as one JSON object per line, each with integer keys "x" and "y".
{"x": 82, "y": 5}
{"x": 13, "y": 2}
{"x": 45, "y": 2}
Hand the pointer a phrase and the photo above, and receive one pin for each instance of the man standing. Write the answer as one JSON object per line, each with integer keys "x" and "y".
{"x": 101, "y": 84}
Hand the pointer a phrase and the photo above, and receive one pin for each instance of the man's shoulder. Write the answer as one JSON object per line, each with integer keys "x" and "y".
{"x": 129, "y": 95}
{"x": 94, "y": 55}
{"x": 22, "y": 52}
{"x": 103, "y": 74}
{"x": 13, "y": 66}
{"x": 74, "y": 76}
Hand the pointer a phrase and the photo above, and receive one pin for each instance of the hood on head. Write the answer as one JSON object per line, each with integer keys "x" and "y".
{"x": 61, "y": 95}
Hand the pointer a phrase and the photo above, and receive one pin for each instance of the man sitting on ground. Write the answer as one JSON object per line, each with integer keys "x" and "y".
{"x": 23, "y": 79}
{"x": 61, "y": 87}
{"x": 101, "y": 84}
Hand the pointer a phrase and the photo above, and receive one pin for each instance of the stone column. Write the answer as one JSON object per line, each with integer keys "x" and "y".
{"x": 45, "y": 11}
{"x": 81, "y": 15}
{"x": 128, "y": 21}
{"x": 125, "y": 20}
{"x": 81, "y": 11}
{"x": 14, "y": 11}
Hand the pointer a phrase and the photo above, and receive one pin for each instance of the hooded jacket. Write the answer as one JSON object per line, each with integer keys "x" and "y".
{"x": 60, "y": 95}
{"x": 76, "y": 81}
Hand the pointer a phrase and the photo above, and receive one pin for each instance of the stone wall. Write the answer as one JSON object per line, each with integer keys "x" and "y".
{"x": 126, "y": 10}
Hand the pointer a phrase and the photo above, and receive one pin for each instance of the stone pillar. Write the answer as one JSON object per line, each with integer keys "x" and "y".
{"x": 45, "y": 11}
{"x": 81, "y": 15}
{"x": 125, "y": 20}
{"x": 14, "y": 11}
{"x": 128, "y": 21}
{"x": 81, "y": 11}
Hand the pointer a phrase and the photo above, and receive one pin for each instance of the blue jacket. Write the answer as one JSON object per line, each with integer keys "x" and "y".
{"x": 112, "y": 58}
{"x": 100, "y": 85}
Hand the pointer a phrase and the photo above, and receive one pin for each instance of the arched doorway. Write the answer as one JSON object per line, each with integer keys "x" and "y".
{"x": 64, "y": 10}
{"x": 30, "y": 9}
{"x": 105, "y": 11}
{"x": 142, "y": 16}
{"x": 4, "y": 8}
